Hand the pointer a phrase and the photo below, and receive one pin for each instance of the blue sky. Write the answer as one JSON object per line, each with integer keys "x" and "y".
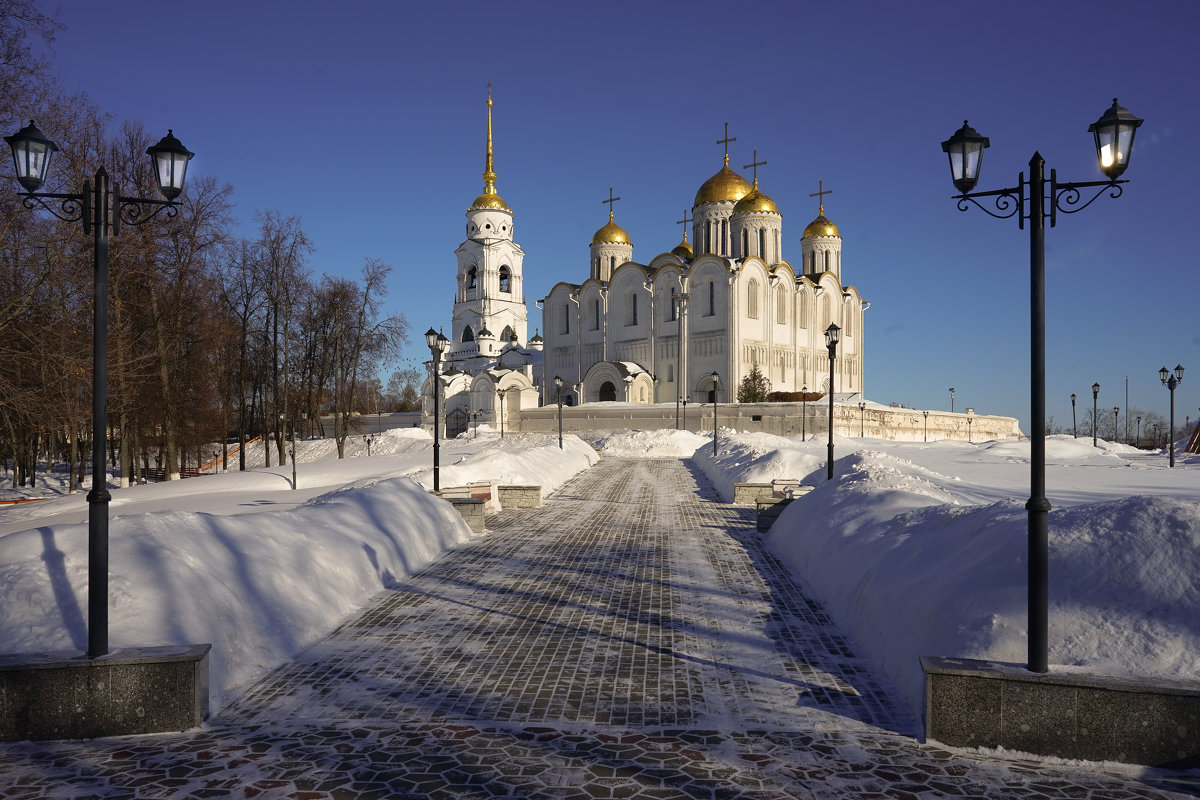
{"x": 367, "y": 120}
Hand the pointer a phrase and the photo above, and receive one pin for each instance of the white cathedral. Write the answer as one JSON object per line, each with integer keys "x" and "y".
{"x": 656, "y": 332}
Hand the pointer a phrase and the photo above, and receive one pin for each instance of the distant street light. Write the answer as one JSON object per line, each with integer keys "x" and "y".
{"x": 1074, "y": 427}
{"x": 558, "y": 384}
{"x": 1139, "y": 433}
{"x": 1095, "y": 413}
{"x": 1171, "y": 381}
{"x": 98, "y": 207}
{"x": 833, "y": 335}
{"x": 970, "y": 419}
{"x": 681, "y": 301}
{"x": 803, "y": 413}
{"x": 951, "y": 399}
{"x": 716, "y": 379}
{"x": 1030, "y": 202}
{"x": 437, "y": 347}
{"x": 500, "y": 410}
{"x": 926, "y": 426}
{"x": 862, "y": 420}
{"x": 1116, "y": 413}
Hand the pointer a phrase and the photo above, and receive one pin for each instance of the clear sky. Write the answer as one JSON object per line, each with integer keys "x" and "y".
{"x": 367, "y": 120}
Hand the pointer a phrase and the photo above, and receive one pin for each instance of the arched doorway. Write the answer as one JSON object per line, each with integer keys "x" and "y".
{"x": 608, "y": 392}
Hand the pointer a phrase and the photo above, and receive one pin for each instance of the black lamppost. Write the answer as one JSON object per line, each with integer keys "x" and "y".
{"x": 1095, "y": 414}
{"x": 1171, "y": 381}
{"x": 437, "y": 346}
{"x": 951, "y": 399}
{"x": 1074, "y": 426}
{"x": 1139, "y": 433}
{"x": 500, "y": 410}
{"x": 1113, "y": 133}
{"x": 98, "y": 206}
{"x": 681, "y": 300}
{"x": 558, "y": 384}
{"x": 862, "y": 420}
{"x": 804, "y": 413}
{"x": 292, "y": 436}
{"x": 475, "y": 419}
{"x": 926, "y": 413}
{"x": 833, "y": 335}
{"x": 1116, "y": 413}
{"x": 716, "y": 379}
{"x": 970, "y": 419}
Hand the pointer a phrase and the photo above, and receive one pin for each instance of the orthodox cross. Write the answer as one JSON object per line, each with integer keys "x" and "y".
{"x": 820, "y": 193}
{"x": 610, "y": 202}
{"x": 726, "y": 142}
{"x": 684, "y": 222}
{"x": 756, "y": 164}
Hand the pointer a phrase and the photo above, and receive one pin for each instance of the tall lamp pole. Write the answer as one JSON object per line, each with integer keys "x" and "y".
{"x": 1114, "y": 133}
{"x": 716, "y": 379}
{"x": 500, "y": 410}
{"x": 98, "y": 206}
{"x": 833, "y": 335}
{"x": 862, "y": 420}
{"x": 1171, "y": 381}
{"x": 558, "y": 384}
{"x": 1116, "y": 415}
{"x": 1095, "y": 400}
{"x": 1074, "y": 426}
{"x": 951, "y": 399}
{"x": 1139, "y": 433}
{"x": 437, "y": 343}
{"x": 681, "y": 300}
{"x": 926, "y": 413}
{"x": 804, "y": 413}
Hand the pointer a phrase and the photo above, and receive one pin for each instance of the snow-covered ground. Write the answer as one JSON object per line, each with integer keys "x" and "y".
{"x": 916, "y": 549}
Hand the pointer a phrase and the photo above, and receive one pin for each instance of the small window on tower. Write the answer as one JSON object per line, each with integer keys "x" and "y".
{"x": 472, "y": 277}
{"x": 505, "y": 280}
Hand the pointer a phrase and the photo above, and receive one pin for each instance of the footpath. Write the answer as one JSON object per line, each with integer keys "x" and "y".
{"x": 630, "y": 639}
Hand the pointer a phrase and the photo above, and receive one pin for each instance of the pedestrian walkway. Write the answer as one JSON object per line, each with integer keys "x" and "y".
{"x": 630, "y": 639}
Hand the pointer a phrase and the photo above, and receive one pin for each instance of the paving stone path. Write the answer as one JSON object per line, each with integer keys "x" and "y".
{"x": 630, "y": 639}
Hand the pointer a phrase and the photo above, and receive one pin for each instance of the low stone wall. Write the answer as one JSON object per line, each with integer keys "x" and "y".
{"x": 471, "y": 509}
{"x": 972, "y": 703}
{"x": 747, "y": 494}
{"x": 513, "y": 496}
{"x": 782, "y": 419}
{"x": 132, "y": 691}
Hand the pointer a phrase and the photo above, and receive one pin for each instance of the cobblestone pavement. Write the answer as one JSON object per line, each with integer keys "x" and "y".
{"x": 631, "y": 639}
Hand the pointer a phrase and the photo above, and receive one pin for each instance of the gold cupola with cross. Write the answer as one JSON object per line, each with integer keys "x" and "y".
{"x": 821, "y": 244}
{"x": 611, "y": 246}
{"x": 756, "y": 225}
{"x": 714, "y": 204}
{"x": 489, "y": 301}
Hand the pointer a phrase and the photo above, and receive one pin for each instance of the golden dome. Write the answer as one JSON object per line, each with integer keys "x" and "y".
{"x": 821, "y": 226}
{"x": 610, "y": 233}
{"x": 724, "y": 187}
{"x": 755, "y": 201}
{"x": 489, "y": 200}
{"x": 683, "y": 249}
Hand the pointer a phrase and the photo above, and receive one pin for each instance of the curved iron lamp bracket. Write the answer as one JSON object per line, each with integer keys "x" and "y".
{"x": 70, "y": 208}
{"x": 1008, "y": 203}
{"x": 1065, "y": 197}
{"x": 134, "y": 211}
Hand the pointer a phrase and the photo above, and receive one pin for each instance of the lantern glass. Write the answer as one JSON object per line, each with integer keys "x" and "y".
{"x": 1178, "y": 372}
{"x": 833, "y": 334}
{"x": 431, "y": 339}
{"x": 443, "y": 344}
{"x": 1095, "y": 388}
{"x": 31, "y": 152}
{"x": 170, "y": 164}
{"x": 965, "y": 150}
{"x": 1163, "y": 374}
{"x": 1114, "y": 133}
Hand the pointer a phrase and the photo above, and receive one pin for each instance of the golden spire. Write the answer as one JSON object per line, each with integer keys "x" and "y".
{"x": 489, "y": 175}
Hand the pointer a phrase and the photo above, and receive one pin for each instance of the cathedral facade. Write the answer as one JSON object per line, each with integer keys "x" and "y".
{"x": 657, "y": 332}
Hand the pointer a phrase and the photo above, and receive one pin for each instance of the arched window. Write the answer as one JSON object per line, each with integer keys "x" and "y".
{"x": 612, "y": 263}
{"x": 566, "y": 321}
{"x": 745, "y": 242}
{"x": 752, "y": 299}
{"x": 712, "y": 299}
{"x": 509, "y": 335}
{"x": 608, "y": 392}
{"x": 596, "y": 314}
{"x": 762, "y": 243}
{"x": 672, "y": 311}
{"x": 632, "y": 318}
{"x": 505, "y": 280}
{"x": 472, "y": 277}
{"x": 468, "y": 335}
{"x": 826, "y": 261}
